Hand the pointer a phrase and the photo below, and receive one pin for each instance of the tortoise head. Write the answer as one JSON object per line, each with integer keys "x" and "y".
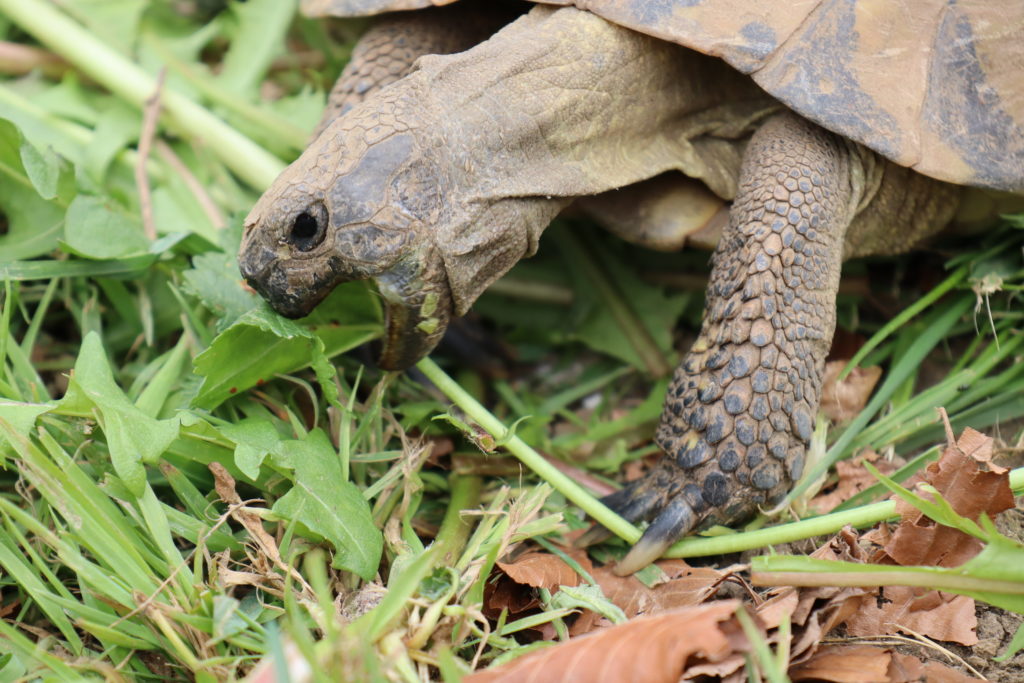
{"x": 355, "y": 205}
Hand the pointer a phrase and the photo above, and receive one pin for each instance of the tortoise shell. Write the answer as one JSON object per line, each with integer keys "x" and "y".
{"x": 933, "y": 85}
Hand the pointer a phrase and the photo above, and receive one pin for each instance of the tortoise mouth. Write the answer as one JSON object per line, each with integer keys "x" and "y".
{"x": 418, "y": 308}
{"x": 417, "y": 299}
{"x": 281, "y": 290}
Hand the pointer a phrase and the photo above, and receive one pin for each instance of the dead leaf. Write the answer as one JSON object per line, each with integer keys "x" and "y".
{"x": 687, "y": 586}
{"x": 935, "y": 672}
{"x": 514, "y": 589}
{"x": 853, "y": 478}
{"x": 224, "y": 484}
{"x": 970, "y": 487}
{"x": 814, "y": 612}
{"x": 861, "y": 664}
{"x": 941, "y": 616}
{"x": 654, "y": 649}
{"x": 845, "y": 664}
{"x": 543, "y": 570}
{"x": 842, "y": 401}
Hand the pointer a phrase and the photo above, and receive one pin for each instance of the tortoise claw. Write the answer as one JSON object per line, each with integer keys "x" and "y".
{"x": 633, "y": 502}
{"x": 674, "y": 521}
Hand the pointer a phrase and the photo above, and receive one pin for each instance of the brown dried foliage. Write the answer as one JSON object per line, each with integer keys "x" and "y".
{"x": 652, "y": 649}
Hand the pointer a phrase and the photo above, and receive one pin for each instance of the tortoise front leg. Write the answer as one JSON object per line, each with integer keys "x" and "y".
{"x": 740, "y": 410}
{"x": 389, "y": 48}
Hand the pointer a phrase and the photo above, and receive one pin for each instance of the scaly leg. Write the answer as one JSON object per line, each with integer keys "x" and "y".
{"x": 740, "y": 410}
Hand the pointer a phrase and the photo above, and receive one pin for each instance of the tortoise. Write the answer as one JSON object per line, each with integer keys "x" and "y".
{"x": 833, "y": 128}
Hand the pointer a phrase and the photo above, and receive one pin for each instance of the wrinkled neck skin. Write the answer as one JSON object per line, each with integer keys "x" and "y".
{"x": 562, "y": 104}
{"x": 445, "y": 179}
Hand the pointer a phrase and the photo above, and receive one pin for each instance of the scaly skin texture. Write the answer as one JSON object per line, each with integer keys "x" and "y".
{"x": 389, "y": 48}
{"x": 739, "y": 413}
{"x": 437, "y": 184}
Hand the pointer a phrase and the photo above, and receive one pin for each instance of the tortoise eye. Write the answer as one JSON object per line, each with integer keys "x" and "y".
{"x": 308, "y": 229}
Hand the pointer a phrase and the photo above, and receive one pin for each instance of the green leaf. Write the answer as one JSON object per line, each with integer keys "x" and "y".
{"x": 214, "y": 279}
{"x": 22, "y": 416}
{"x": 262, "y": 25}
{"x": 262, "y": 344}
{"x": 330, "y": 507}
{"x": 49, "y": 269}
{"x": 1015, "y": 646}
{"x": 33, "y": 223}
{"x": 654, "y": 309}
{"x": 132, "y": 436}
{"x": 118, "y": 125}
{"x": 94, "y": 230}
{"x": 42, "y": 168}
{"x": 254, "y": 439}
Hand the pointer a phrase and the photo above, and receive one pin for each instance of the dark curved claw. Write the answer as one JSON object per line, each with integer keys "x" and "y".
{"x": 677, "y": 508}
{"x": 675, "y": 520}
{"x": 629, "y": 503}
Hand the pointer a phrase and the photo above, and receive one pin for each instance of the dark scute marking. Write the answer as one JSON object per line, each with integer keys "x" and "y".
{"x": 716, "y": 489}
{"x": 694, "y": 455}
{"x": 967, "y": 113}
{"x": 766, "y": 477}
{"x": 745, "y": 430}
{"x": 653, "y": 12}
{"x": 815, "y": 80}
{"x": 729, "y": 458}
{"x": 359, "y": 194}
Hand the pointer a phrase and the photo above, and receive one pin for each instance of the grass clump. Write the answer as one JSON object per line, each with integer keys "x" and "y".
{"x": 193, "y": 484}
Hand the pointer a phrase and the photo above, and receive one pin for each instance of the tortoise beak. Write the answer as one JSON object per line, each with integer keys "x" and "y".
{"x": 418, "y": 309}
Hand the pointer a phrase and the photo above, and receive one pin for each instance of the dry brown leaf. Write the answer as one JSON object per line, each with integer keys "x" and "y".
{"x": 940, "y": 616}
{"x": 936, "y": 672}
{"x": 970, "y": 487}
{"x": 980, "y": 447}
{"x": 506, "y": 594}
{"x": 654, "y": 649}
{"x": 514, "y": 588}
{"x": 842, "y": 401}
{"x": 813, "y": 612}
{"x": 853, "y": 478}
{"x": 543, "y": 570}
{"x": 845, "y": 664}
{"x": 687, "y": 586}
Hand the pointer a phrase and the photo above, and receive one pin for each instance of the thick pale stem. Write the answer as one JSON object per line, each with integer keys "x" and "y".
{"x": 100, "y": 62}
{"x": 529, "y": 457}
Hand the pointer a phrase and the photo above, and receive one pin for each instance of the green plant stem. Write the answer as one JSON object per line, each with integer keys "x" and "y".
{"x": 107, "y": 67}
{"x": 289, "y": 134}
{"x": 921, "y": 304}
{"x": 454, "y": 532}
{"x": 795, "y": 531}
{"x": 527, "y": 455}
{"x": 897, "y": 576}
{"x": 783, "y": 533}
